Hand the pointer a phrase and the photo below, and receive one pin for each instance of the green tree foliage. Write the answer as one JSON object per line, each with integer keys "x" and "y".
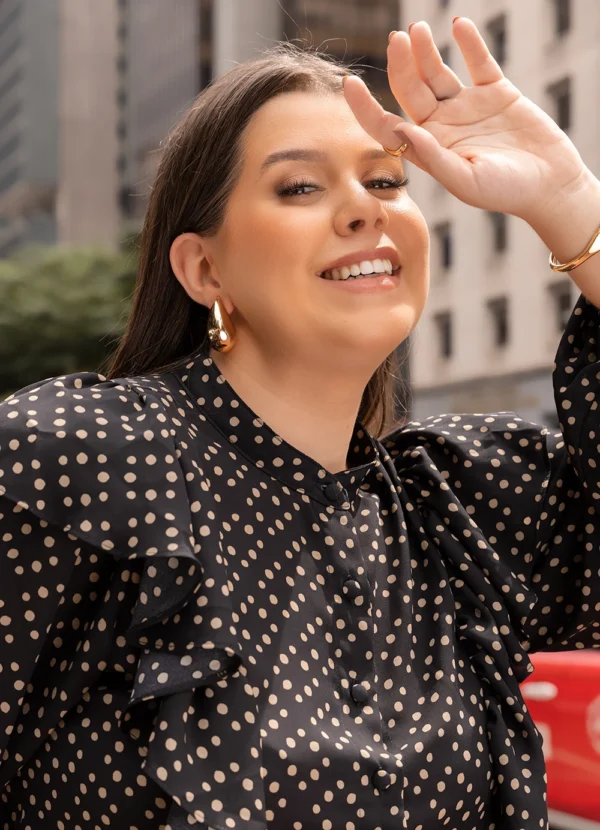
{"x": 61, "y": 310}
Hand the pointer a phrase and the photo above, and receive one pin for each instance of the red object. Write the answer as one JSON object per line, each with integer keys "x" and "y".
{"x": 563, "y": 696}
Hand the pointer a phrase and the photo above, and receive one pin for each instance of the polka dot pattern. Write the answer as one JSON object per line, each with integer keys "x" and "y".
{"x": 205, "y": 628}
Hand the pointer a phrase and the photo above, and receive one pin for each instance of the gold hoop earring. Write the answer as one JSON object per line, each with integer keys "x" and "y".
{"x": 220, "y": 328}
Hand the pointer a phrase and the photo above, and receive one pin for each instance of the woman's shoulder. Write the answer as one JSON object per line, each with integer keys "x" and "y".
{"x": 476, "y": 458}
{"x": 92, "y": 454}
{"x": 82, "y": 409}
{"x": 82, "y": 394}
{"x": 475, "y": 436}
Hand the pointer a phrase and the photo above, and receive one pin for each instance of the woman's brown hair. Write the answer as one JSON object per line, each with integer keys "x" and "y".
{"x": 200, "y": 164}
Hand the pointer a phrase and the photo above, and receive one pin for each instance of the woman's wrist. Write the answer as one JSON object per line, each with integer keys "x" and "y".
{"x": 566, "y": 224}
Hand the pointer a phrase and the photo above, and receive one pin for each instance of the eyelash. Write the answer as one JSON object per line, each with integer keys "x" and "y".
{"x": 288, "y": 190}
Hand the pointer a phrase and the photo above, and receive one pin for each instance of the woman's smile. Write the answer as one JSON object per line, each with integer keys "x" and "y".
{"x": 368, "y": 270}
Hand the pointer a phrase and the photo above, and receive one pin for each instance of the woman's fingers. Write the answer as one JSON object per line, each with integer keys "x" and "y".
{"x": 370, "y": 114}
{"x": 412, "y": 93}
{"x": 418, "y": 77}
{"x": 482, "y": 66}
{"x": 431, "y": 68}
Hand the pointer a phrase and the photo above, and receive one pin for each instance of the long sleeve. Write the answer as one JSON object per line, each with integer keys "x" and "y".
{"x": 523, "y": 499}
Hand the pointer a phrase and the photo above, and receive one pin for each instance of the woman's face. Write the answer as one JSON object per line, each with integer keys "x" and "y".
{"x": 317, "y": 191}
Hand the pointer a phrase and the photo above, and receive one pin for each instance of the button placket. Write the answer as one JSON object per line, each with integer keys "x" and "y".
{"x": 354, "y": 638}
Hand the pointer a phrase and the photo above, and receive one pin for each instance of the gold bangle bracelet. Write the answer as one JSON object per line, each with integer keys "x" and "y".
{"x": 593, "y": 247}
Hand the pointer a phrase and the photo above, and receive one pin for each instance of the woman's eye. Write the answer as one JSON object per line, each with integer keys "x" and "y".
{"x": 388, "y": 184}
{"x": 297, "y": 189}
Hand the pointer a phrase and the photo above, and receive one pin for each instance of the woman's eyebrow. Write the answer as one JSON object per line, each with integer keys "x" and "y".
{"x": 298, "y": 154}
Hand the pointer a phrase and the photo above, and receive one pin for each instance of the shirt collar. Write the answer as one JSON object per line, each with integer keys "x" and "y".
{"x": 220, "y": 404}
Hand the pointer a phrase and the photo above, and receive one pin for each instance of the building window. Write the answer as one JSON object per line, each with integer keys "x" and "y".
{"x": 443, "y": 324}
{"x": 562, "y": 302}
{"x": 443, "y": 234}
{"x": 126, "y": 201}
{"x": 499, "y": 237}
{"x": 560, "y": 93}
{"x": 562, "y": 16}
{"x": 498, "y": 310}
{"x": 445, "y": 54}
{"x": 206, "y": 42}
{"x": 497, "y": 36}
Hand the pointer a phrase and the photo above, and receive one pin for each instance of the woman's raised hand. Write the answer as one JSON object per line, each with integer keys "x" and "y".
{"x": 487, "y": 144}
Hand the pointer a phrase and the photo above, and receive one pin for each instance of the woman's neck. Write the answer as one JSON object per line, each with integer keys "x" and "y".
{"x": 312, "y": 408}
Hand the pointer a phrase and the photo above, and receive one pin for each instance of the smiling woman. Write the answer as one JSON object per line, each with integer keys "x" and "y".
{"x": 295, "y": 211}
{"x": 232, "y": 599}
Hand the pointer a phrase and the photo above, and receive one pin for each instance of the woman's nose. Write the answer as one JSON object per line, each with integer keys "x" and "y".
{"x": 361, "y": 212}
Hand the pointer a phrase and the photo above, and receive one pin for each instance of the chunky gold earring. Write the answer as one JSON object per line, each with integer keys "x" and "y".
{"x": 220, "y": 328}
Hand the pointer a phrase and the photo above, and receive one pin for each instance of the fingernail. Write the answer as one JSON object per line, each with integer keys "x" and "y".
{"x": 391, "y": 35}
{"x": 455, "y": 19}
{"x": 410, "y": 25}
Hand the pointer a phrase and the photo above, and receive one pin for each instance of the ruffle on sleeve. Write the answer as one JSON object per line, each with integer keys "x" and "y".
{"x": 100, "y": 459}
{"x": 577, "y": 391}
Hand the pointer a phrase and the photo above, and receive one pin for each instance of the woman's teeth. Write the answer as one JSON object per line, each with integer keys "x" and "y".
{"x": 366, "y": 268}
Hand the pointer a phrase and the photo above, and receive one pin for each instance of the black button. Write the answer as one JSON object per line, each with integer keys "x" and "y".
{"x": 382, "y": 780}
{"x": 352, "y": 588}
{"x": 334, "y": 492}
{"x": 359, "y": 694}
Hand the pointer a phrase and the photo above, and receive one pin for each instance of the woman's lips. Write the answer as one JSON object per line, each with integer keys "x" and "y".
{"x": 377, "y": 282}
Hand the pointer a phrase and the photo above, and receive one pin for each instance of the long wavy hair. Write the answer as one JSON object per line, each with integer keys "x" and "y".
{"x": 200, "y": 164}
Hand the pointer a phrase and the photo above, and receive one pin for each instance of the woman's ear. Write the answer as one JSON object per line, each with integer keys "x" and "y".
{"x": 193, "y": 268}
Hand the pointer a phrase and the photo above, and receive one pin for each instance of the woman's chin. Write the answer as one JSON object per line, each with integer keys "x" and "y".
{"x": 365, "y": 353}
{"x": 377, "y": 335}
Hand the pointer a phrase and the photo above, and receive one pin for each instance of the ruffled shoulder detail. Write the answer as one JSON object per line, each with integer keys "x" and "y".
{"x": 103, "y": 460}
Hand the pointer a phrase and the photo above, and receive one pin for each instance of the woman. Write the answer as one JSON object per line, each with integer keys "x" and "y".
{"x": 229, "y": 604}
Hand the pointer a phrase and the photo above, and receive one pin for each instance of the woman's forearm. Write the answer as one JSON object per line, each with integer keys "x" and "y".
{"x": 566, "y": 229}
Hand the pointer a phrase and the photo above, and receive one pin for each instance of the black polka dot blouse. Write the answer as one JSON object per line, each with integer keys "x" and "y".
{"x": 202, "y": 627}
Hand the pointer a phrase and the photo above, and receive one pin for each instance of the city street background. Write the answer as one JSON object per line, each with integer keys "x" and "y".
{"x": 88, "y": 91}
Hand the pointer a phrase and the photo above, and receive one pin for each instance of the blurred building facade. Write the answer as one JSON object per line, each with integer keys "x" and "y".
{"x": 57, "y": 117}
{"x": 28, "y": 121}
{"x": 496, "y": 311}
{"x": 88, "y": 90}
